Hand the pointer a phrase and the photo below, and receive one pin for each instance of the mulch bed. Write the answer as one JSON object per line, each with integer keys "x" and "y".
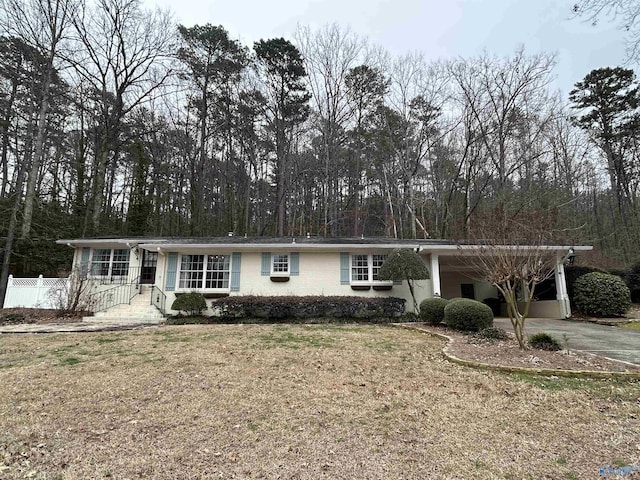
{"x": 507, "y": 353}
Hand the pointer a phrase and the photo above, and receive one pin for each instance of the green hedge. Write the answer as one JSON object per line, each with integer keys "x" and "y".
{"x": 602, "y": 295}
{"x": 466, "y": 314}
{"x": 192, "y": 303}
{"x": 573, "y": 273}
{"x": 432, "y": 310}
{"x": 287, "y": 308}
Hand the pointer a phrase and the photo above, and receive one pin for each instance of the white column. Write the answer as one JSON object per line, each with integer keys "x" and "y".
{"x": 435, "y": 275}
{"x": 561, "y": 290}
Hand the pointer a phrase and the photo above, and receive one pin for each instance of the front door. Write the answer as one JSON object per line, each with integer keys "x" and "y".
{"x": 148, "y": 271}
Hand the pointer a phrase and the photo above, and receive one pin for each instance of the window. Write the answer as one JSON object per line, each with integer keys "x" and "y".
{"x": 204, "y": 272}
{"x": 280, "y": 264}
{"x": 376, "y": 263}
{"x": 110, "y": 263}
{"x": 365, "y": 268}
{"x": 217, "y": 271}
{"x": 359, "y": 268}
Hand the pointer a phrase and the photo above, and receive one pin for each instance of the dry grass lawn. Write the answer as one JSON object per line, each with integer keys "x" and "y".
{"x": 303, "y": 402}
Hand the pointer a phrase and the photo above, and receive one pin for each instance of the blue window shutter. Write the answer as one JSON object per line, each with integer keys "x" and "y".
{"x": 236, "y": 258}
{"x": 294, "y": 266}
{"x": 84, "y": 261}
{"x": 172, "y": 268}
{"x": 344, "y": 268}
{"x": 266, "y": 264}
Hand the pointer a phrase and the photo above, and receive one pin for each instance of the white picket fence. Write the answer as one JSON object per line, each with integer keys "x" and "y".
{"x": 32, "y": 292}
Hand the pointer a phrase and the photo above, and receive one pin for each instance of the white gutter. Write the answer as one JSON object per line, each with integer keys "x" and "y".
{"x": 272, "y": 246}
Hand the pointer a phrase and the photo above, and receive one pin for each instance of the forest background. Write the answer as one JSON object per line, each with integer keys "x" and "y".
{"x": 116, "y": 121}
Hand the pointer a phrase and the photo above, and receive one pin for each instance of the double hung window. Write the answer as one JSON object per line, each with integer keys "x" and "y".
{"x": 109, "y": 263}
{"x": 365, "y": 267}
{"x": 209, "y": 272}
{"x": 280, "y": 264}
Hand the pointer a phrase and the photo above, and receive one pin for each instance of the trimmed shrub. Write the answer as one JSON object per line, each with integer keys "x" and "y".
{"x": 192, "y": 303}
{"x": 572, "y": 273}
{"x": 602, "y": 295}
{"x": 467, "y": 314}
{"x": 544, "y": 341}
{"x": 491, "y": 334}
{"x": 432, "y": 310}
{"x": 455, "y": 299}
{"x": 287, "y": 308}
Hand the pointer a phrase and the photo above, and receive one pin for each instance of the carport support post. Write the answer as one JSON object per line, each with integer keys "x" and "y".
{"x": 561, "y": 290}
{"x": 435, "y": 275}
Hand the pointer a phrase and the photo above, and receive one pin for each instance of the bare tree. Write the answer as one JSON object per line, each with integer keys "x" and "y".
{"x": 625, "y": 12}
{"x": 123, "y": 52}
{"x": 505, "y": 96}
{"x": 329, "y": 54}
{"x": 510, "y": 251}
{"x": 73, "y": 294}
{"x": 41, "y": 24}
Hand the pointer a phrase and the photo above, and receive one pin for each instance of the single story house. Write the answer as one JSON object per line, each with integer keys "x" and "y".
{"x": 268, "y": 266}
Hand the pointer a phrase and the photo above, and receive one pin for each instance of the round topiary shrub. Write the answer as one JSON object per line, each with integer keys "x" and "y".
{"x": 466, "y": 314}
{"x": 602, "y": 295}
{"x": 544, "y": 341}
{"x": 432, "y": 310}
{"x": 192, "y": 303}
{"x": 573, "y": 273}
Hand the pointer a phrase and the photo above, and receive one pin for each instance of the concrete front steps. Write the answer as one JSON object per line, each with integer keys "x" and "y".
{"x": 139, "y": 311}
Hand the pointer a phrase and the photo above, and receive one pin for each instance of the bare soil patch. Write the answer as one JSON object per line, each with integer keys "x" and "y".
{"x": 507, "y": 353}
{"x": 303, "y": 402}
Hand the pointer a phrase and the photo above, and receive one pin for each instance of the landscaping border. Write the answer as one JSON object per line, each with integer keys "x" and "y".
{"x": 531, "y": 371}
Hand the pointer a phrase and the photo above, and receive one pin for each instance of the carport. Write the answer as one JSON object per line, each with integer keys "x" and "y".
{"x": 454, "y": 276}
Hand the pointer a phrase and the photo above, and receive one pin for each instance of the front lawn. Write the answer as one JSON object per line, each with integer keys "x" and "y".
{"x": 309, "y": 402}
{"x": 632, "y": 326}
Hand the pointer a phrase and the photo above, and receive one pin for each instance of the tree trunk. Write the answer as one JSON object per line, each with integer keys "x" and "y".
{"x": 30, "y": 196}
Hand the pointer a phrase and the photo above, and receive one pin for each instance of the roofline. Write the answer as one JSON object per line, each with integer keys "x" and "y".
{"x": 272, "y": 246}
{"x": 159, "y": 244}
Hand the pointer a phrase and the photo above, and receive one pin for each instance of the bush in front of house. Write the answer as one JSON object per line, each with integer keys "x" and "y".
{"x": 573, "y": 273}
{"x": 192, "y": 303}
{"x": 602, "y": 295}
{"x": 467, "y": 314}
{"x": 544, "y": 341}
{"x": 288, "y": 308}
{"x": 432, "y": 310}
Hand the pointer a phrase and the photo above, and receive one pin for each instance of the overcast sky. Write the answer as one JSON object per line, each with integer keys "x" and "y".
{"x": 437, "y": 28}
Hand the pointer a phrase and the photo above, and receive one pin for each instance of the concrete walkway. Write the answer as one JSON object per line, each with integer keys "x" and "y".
{"x": 607, "y": 341}
{"x": 86, "y": 326}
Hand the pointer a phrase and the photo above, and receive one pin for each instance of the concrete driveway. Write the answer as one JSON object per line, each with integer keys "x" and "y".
{"x": 612, "y": 342}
